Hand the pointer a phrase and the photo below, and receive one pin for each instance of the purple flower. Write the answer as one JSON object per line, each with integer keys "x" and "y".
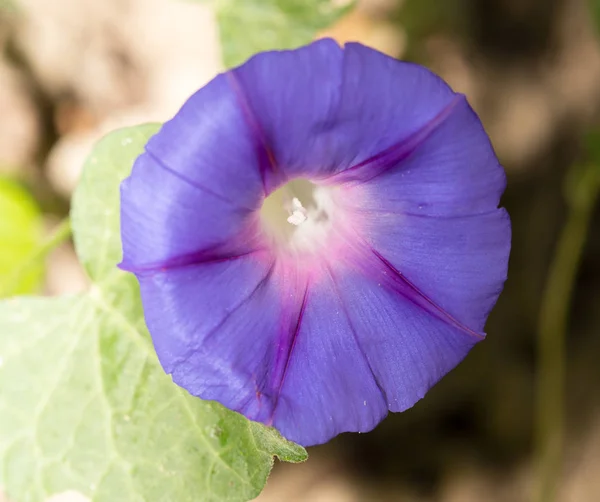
{"x": 369, "y": 271}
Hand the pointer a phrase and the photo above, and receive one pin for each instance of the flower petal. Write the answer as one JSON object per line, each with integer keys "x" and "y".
{"x": 207, "y": 333}
{"x": 310, "y": 112}
{"x": 289, "y": 99}
{"x": 297, "y": 365}
{"x": 408, "y": 348}
{"x": 209, "y": 144}
{"x": 329, "y": 386}
{"x": 383, "y": 102}
{"x": 319, "y": 110}
{"x": 168, "y": 221}
{"x": 458, "y": 263}
{"x": 444, "y": 173}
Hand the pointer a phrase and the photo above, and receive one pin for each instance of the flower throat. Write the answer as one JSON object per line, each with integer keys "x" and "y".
{"x": 297, "y": 216}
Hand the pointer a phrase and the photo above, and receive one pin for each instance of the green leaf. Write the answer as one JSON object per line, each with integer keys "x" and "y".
{"x": 251, "y": 26}
{"x": 20, "y": 235}
{"x": 7, "y": 5}
{"x": 84, "y": 403}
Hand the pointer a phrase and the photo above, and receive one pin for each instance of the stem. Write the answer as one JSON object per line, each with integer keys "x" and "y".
{"x": 60, "y": 234}
{"x": 552, "y": 334}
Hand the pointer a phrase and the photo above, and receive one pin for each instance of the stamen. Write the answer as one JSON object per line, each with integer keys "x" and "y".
{"x": 297, "y": 216}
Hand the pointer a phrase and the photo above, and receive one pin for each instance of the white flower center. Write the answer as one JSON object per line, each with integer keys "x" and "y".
{"x": 298, "y": 216}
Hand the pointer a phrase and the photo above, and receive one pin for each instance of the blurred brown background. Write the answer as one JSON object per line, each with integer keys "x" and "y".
{"x": 73, "y": 69}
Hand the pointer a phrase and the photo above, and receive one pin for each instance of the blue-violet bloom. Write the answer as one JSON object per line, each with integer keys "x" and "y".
{"x": 317, "y": 238}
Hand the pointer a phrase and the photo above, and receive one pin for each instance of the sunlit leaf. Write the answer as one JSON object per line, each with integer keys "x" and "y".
{"x": 250, "y": 26}
{"x": 20, "y": 235}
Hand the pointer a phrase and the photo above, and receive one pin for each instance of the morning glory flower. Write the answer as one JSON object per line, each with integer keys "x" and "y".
{"x": 317, "y": 238}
